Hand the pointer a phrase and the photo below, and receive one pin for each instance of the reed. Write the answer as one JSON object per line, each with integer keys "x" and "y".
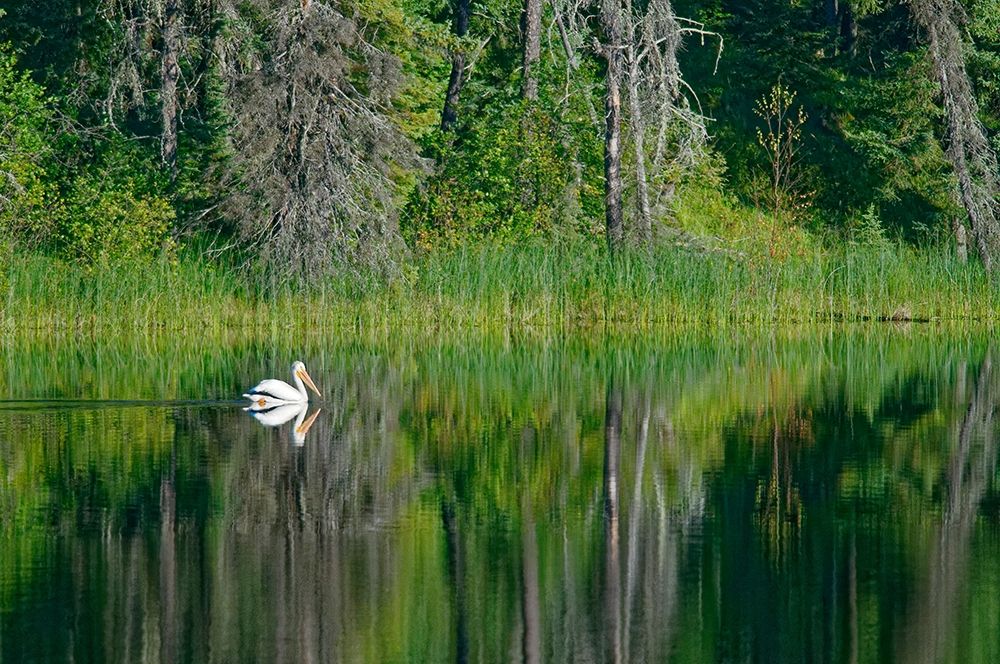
{"x": 561, "y": 287}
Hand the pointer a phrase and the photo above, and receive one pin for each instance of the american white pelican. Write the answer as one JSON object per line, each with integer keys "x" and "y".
{"x": 274, "y": 416}
{"x": 273, "y": 392}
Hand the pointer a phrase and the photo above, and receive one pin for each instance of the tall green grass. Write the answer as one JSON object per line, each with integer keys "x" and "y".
{"x": 553, "y": 287}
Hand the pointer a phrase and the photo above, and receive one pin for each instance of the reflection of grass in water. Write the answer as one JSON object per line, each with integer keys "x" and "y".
{"x": 449, "y": 395}
{"x": 488, "y": 289}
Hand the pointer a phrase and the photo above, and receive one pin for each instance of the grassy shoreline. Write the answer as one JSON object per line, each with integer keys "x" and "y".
{"x": 576, "y": 287}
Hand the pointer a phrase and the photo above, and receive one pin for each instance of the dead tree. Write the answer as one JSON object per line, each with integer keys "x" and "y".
{"x": 644, "y": 219}
{"x": 639, "y": 44}
{"x": 968, "y": 149}
{"x": 659, "y": 110}
{"x": 656, "y": 79}
{"x": 313, "y": 148}
{"x": 457, "y": 78}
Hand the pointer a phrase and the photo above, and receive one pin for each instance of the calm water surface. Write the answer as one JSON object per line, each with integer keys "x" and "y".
{"x": 824, "y": 497}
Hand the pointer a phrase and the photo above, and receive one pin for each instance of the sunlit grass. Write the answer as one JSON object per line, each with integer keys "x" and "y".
{"x": 560, "y": 287}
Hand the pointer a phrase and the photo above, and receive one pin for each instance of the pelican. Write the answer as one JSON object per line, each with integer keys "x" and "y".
{"x": 273, "y": 392}
{"x": 275, "y": 416}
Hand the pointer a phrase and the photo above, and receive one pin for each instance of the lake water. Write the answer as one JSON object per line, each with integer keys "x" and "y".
{"x": 810, "y": 496}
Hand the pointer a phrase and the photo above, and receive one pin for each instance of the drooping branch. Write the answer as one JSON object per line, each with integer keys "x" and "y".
{"x": 968, "y": 148}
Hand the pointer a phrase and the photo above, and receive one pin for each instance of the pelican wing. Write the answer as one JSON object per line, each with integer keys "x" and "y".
{"x": 273, "y": 389}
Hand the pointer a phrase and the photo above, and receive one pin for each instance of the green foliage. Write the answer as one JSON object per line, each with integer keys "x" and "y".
{"x": 891, "y": 127}
{"x": 79, "y": 107}
{"x": 110, "y": 206}
{"x": 24, "y": 145}
{"x": 107, "y": 221}
{"x": 874, "y": 129}
{"x": 92, "y": 199}
{"x": 867, "y": 230}
{"x": 507, "y": 178}
{"x": 405, "y": 28}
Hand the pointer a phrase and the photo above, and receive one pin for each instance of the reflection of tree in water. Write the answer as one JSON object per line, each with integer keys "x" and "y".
{"x": 968, "y": 475}
{"x": 531, "y": 610}
{"x": 615, "y": 605}
{"x": 612, "y": 566}
{"x": 168, "y": 560}
{"x": 639, "y": 622}
{"x": 779, "y": 503}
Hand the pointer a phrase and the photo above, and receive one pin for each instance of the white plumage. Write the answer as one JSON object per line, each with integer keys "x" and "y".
{"x": 272, "y": 392}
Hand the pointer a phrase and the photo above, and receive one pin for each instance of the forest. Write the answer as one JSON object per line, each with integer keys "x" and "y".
{"x": 530, "y": 160}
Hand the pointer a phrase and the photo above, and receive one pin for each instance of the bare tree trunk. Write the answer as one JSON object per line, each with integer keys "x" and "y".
{"x": 457, "y": 79}
{"x": 611, "y": 21}
{"x": 169, "y": 74}
{"x": 531, "y": 23}
{"x": 644, "y": 229}
{"x": 971, "y": 155}
{"x": 961, "y": 243}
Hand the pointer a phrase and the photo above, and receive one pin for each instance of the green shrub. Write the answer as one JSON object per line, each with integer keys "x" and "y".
{"x": 111, "y": 223}
{"x": 115, "y": 208}
{"x": 507, "y": 178}
{"x": 24, "y": 120}
{"x": 93, "y": 198}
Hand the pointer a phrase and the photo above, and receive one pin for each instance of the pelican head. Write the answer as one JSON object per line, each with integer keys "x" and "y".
{"x": 301, "y": 375}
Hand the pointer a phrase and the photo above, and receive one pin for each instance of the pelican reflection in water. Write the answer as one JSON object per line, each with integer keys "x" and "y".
{"x": 275, "y": 416}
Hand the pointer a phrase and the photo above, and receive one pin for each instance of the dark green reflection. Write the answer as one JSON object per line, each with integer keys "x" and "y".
{"x": 823, "y": 497}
